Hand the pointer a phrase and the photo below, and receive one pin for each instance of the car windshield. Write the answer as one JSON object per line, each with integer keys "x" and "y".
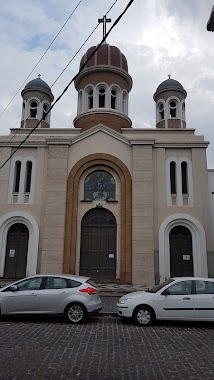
{"x": 159, "y": 286}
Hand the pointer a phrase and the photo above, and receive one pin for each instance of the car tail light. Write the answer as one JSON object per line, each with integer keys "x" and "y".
{"x": 88, "y": 290}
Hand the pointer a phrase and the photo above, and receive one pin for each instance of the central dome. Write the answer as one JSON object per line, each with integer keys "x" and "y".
{"x": 106, "y": 55}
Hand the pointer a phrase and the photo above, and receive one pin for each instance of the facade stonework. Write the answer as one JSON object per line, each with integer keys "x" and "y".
{"x": 105, "y": 199}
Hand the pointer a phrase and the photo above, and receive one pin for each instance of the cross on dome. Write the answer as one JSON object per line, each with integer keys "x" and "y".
{"x": 104, "y": 20}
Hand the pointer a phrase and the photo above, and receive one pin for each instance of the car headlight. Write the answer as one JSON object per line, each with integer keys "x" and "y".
{"x": 123, "y": 300}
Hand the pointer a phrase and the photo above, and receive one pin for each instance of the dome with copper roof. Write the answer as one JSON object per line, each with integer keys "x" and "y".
{"x": 106, "y": 55}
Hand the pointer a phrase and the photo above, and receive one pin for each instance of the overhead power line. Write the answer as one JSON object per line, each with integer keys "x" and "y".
{"x": 72, "y": 80}
{"x": 41, "y": 57}
{"x": 83, "y": 44}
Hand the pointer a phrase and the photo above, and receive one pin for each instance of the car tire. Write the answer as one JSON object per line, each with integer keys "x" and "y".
{"x": 143, "y": 316}
{"x": 75, "y": 313}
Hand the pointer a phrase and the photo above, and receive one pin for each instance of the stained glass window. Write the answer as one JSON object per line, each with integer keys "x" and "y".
{"x": 99, "y": 185}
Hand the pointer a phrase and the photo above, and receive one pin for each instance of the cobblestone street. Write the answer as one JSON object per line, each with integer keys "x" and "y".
{"x": 105, "y": 348}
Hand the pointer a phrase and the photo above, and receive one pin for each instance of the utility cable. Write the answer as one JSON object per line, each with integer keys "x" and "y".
{"x": 72, "y": 80}
{"x": 8, "y": 142}
{"x": 41, "y": 57}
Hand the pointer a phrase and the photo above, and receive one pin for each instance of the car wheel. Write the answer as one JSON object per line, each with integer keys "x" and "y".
{"x": 143, "y": 316}
{"x": 75, "y": 313}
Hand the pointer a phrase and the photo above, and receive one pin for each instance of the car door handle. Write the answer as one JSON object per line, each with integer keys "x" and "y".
{"x": 186, "y": 298}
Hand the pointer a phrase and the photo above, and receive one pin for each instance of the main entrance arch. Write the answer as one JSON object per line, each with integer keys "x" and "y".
{"x": 99, "y": 160}
{"x": 16, "y": 251}
{"x": 98, "y": 245}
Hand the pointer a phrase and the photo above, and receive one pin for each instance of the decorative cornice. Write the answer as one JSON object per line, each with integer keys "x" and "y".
{"x": 100, "y": 128}
{"x": 106, "y": 68}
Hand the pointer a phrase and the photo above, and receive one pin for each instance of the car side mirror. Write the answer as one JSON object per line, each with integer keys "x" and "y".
{"x": 166, "y": 293}
{"x": 13, "y": 288}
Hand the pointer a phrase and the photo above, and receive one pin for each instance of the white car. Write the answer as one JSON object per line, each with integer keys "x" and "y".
{"x": 75, "y": 297}
{"x": 184, "y": 298}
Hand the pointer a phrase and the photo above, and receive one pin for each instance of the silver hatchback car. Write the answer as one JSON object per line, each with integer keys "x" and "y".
{"x": 75, "y": 297}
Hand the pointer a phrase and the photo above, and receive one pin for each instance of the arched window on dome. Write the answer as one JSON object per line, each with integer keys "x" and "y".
{"x": 173, "y": 108}
{"x": 23, "y": 110}
{"x": 80, "y": 102}
{"x": 101, "y": 96}
{"x": 114, "y": 98}
{"x": 99, "y": 185}
{"x": 33, "y": 108}
{"x": 160, "y": 111}
{"x": 90, "y": 98}
{"x": 45, "y": 111}
{"x": 125, "y": 102}
{"x": 183, "y": 111}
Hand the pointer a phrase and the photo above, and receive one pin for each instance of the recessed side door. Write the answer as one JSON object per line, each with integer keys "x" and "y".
{"x": 24, "y": 300}
{"x": 204, "y": 300}
{"x": 177, "y": 301}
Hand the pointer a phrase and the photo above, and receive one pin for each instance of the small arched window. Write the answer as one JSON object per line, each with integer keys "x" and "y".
{"x": 33, "y": 108}
{"x": 23, "y": 110}
{"x": 184, "y": 177}
{"x": 45, "y": 110}
{"x": 173, "y": 108}
{"x": 28, "y": 176}
{"x": 102, "y": 93}
{"x": 113, "y": 99}
{"x": 124, "y": 102}
{"x": 17, "y": 174}
{"x": 161, "y": 111}
{"x": 99, "y": 185}
{"x": 183, "y": 111}
{"x": 80, "y": 105}
{"x": 173, "y": 177}
{"x": 90, "y": 98}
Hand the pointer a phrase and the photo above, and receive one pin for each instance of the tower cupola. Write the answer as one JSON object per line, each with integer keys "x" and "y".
{"x": 170, "y": 104}
{"x": 37, "y": 98}
{"x": 103, "y": 87}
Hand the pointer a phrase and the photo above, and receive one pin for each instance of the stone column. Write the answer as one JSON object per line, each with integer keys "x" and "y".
{"x": 142, "y": 214}
{"x": 52, "y": 242}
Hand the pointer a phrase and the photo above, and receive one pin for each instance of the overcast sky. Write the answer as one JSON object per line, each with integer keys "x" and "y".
{"x": 158, "y": 37}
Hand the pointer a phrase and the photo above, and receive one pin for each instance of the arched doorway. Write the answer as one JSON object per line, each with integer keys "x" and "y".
{"x": 181, "y": 257}
{"x": 16, "y": 251}
{"x": 98, "y": 245}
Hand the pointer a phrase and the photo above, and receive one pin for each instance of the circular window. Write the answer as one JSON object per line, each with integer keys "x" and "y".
{"x": 161, "y": 107}
{"x": 90, "y": 92}
{"x": 113, "y": 92}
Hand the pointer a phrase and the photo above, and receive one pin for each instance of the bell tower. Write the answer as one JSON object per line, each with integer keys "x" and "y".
{"x": 170, "y": 104}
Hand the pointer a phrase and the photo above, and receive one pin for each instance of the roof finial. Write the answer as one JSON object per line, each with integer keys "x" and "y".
{"x": 39, "y": 75}
{"x": 104, "y": 20}
{"x": 169, "y": 76}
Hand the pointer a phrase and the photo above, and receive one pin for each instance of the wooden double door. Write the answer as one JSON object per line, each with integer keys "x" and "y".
{"x": 16, "y": 251}
{"x": 181, "y": 256}
{"x": 98, "y": 245}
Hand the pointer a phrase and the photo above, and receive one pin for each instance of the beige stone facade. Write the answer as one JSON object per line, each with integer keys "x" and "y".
{"x": 158, "y": 219}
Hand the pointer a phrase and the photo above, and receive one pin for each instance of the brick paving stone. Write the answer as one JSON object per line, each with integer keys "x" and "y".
{"x": 105, "y": 348}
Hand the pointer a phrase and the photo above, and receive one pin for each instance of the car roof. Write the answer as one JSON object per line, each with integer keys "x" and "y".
{"x": 192, "y": 278}
{"x": 69, "y": 276}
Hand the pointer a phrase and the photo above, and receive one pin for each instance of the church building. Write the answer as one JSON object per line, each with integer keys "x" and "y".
{"x": 103, "y": 198}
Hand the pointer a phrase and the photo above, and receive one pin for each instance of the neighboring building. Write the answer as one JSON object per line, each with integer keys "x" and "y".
{"x": 105, "y": 199}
